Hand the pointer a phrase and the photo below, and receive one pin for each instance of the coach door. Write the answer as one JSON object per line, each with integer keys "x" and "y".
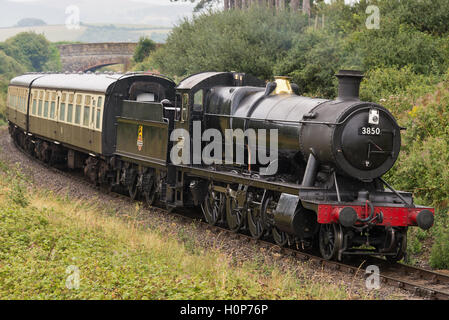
{"x": 89, "y": 119}
{"x": 94, "y": 122}
{"x": 60, "y": 115}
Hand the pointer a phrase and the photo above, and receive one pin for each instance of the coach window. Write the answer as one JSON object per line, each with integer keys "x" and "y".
{"x": 46, "y": 102}
{"x": 16, "y": 98}
{"x": 33, "y": 111}
{"x": 86, "y": 114}
{"x": 62, "y": 107}
{"x": 39, "y": 108}
{"x": 22, "y": 105}
{"x": 70, "y": 109}
{"x": 53, "y": 105}
{"x": 78, "y": 109}
{"x": 99, "y": 105}
{"x": 20, "y": 101}
{"x": 25, "y": 101}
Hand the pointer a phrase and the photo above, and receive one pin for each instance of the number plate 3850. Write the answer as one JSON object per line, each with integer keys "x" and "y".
{"x": 370, "y": 131}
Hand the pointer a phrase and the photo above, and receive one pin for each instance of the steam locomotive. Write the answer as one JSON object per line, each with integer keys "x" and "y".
{"x": 255, "y": 156}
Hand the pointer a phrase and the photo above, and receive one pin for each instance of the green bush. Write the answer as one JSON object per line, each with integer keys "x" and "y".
{"x": 246, "y": 41}
{"x": 439, "y": 257}
{"x": 423, "y": 168}
{"x": 425, "y": 15}
{"x": 396, "y": 89}
{"x": 400, "y": 46}
{"x": 9, "y": 67}
{"x": 144, "y": 49}
{"x": 22, "y": 53}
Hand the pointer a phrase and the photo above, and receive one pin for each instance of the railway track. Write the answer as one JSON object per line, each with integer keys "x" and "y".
{"x": 420, "y": 282}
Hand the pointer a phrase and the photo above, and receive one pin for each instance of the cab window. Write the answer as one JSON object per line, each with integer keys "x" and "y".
{"x": 198, "y": 101}
{"x": 185, "y": 106}
{"x": 178, "y": 107}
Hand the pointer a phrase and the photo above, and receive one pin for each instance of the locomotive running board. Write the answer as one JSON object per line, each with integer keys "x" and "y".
{"x": 251, "y": 181}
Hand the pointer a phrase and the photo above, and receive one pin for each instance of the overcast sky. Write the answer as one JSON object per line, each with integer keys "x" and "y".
{"x": 152, "y": 12}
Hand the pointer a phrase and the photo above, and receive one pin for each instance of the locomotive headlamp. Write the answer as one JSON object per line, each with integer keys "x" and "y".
{"x": 373, "y": 117}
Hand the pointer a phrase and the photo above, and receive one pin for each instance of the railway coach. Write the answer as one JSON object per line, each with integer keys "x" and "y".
{"x": 71, "y": 117}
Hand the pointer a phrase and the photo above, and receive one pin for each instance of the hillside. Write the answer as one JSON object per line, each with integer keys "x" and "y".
{"x": 92, "y": 33}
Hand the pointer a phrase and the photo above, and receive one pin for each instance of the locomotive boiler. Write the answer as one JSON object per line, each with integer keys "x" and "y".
{"x": 358, "y": 139}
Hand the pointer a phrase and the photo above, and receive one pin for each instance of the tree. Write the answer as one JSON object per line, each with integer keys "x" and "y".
{"x": 143, "y": 49}
{"x": 30, "y": 49}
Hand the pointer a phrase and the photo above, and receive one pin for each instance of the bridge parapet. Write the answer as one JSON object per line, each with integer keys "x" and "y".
{"x": 90, "y": 56}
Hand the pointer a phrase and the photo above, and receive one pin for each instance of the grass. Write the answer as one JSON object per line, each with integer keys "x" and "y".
{"x": 54, "y": 247}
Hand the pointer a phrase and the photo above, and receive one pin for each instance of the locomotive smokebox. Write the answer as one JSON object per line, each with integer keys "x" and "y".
{"x": 359, "y": 139}
{"x": 349, "y": 84}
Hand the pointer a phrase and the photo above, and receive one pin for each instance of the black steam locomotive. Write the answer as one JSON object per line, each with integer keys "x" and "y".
{"x": 254, "y": 156}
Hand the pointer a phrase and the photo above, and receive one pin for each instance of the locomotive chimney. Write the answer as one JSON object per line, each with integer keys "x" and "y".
{"x": 349, "y": 84}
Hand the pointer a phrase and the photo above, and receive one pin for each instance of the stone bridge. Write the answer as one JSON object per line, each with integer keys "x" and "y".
{"x": 91, "y": 56}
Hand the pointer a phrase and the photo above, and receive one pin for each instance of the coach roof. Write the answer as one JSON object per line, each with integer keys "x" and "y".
{"x": 60, "y": 81}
